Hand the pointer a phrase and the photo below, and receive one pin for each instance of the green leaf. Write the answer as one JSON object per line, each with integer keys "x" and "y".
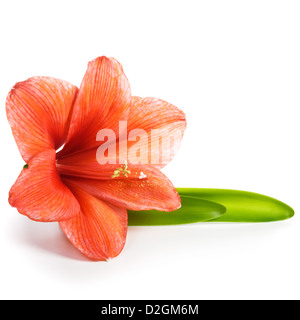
{"x": 192, "y": 210}
{"x": 242, "y": 206}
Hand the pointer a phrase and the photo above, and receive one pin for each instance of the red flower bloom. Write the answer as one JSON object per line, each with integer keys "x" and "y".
{"x": 88, "y": 200}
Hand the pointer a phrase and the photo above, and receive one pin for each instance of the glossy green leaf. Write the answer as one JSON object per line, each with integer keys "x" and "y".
{"x": 192, "y": 210}
{"x": 242, "y": 206}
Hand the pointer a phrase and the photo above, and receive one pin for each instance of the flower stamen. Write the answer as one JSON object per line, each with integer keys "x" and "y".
{"x": 122, "y": 170}
{"x": 142, "y": 175}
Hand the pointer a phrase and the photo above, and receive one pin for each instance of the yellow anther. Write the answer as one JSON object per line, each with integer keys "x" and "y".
{"x": 122, "y": 170}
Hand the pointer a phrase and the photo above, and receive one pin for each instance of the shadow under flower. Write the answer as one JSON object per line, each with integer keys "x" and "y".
{"x": 47, "y": 237}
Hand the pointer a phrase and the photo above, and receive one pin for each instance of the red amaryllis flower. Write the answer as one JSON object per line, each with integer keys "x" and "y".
{"x": 88, "y": 199}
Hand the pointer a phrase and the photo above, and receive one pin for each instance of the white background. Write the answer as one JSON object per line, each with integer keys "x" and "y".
{"x": 234, "y": 68}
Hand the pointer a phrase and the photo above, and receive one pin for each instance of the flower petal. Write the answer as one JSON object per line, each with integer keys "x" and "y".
{"x": 84, "y": 164}
{"x": 100, "y": 230}
{"x": 104, "y": 99}
{"x": 39, "y": 192}
{"x": 164, "y": 124}
{"x": 145, "y": 188}
{"x": 38, "y": 112}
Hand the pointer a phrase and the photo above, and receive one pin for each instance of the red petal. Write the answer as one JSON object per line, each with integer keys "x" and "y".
{"x": 39, "y": 192}
{"x": 38, "y": 112}
{"x": 84, "y": 164}
{"x": 104, "y": 98}
{"x": 145, "y": 188}
{"x": 99, "y": 231}
{"x": 164, "y": 124}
